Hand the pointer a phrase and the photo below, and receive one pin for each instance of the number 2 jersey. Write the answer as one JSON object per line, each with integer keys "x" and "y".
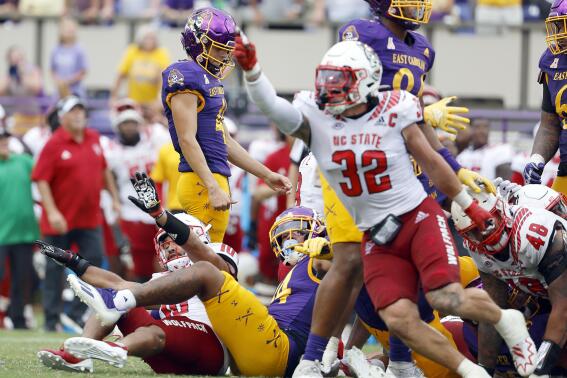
{"x": 186, "y": 76}
{"x": 531, "y": 234}
{"x": 365, "y": 159}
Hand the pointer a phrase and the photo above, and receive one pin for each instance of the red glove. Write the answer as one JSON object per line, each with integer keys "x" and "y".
{"x": 479, "y": 216}
{"x": 245, "y": 54}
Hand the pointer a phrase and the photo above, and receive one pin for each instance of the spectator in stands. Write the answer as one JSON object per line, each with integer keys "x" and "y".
{"x": 53, "y": 8}
{"x": 18, "y": 226}
{"x": 338, "y": 11}
{"x": 174, "y": 13}
{"x": 271, "y": 205}
{"x": 8, "y": 9}
{"x": 141, "y": 67}
{"x": 490, "y": 160}
{"x": 491, "y": 14}
{"x": 138, "y": 8}
{"x": 71, "y": 163}
{"x": 23, "y": 78}
{"x": 68, "y": 61}
{"x": 165, "y": 173}
{"x": 442, "y": 10}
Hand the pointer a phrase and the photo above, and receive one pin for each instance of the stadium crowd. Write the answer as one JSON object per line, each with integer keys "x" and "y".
{"x": 166, "y": 211}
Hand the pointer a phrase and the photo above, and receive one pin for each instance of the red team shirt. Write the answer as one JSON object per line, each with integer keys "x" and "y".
{"x": 75, "y": 174}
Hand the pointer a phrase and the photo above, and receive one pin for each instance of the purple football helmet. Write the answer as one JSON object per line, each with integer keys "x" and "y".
{"x": 294, "y": 223}
{"x": 556, "y": 27}
{"x": 209, "y": 28}
{"x": 408, "y": 13}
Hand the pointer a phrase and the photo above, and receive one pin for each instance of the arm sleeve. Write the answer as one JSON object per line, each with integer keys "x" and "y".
{"x": 287, "y": 118}
{"x": 296, "y": 153}
{"x": 126, "y": 61}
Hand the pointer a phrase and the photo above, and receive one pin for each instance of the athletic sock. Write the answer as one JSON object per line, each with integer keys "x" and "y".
{"x": 507, "y": 326}
{"x": 124, "y": 300}
{"x": 315, "y": 347}
{"x": 399, "y": 352}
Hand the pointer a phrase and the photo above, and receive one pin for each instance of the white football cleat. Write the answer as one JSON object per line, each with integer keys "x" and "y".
{"x": 521, "y": 346}
{"x": 83, "y": 347}
{"x": 308, "y": 369}
{"x": 61, "y": 360}
{"x": 403, "y": 370}
{"x": 100, "y": 300}
{"x": 358, "y": 365}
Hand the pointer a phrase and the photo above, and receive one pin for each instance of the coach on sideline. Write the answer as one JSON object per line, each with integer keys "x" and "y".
{"x": 70, "y": 173}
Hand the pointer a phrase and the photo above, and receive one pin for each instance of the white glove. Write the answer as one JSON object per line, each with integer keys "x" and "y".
{"x": 506, "y": 188}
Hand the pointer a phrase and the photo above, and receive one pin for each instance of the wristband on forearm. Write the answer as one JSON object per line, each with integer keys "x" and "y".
{"x": 78, "y": 265}
{"x": 176, "y": 229}
{"x": 453, "y": 163}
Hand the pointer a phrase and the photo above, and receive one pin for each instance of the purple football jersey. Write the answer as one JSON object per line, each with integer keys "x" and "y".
{"x": 554, "y": 71}
{"x": 186, "y": 76}
{"x": 405, "y": 65}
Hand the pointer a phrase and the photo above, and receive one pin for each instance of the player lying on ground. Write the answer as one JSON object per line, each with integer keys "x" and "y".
{"x": 526, "y": 249}
{"x": 361, "y": 138}
{"x": 246, "y": 327}
{"x": 173, "y": 339}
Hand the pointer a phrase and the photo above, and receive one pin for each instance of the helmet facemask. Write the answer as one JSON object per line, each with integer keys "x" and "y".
{"x": 336, "y": 88}
{"x": 495, "y": 238}
{"x": 291, "y": 230}
{"x": 170, "y": 255}
{"x": 556, "y": 34}
{"x": 414, "y": 11}
{"x": 219, "y": 68}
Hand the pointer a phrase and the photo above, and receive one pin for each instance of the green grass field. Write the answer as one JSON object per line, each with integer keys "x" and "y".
{"x": 18, "y": 357}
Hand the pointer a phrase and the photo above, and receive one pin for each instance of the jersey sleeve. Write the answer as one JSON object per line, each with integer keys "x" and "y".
{"x": 126, "y": 61}
{"x": 536, "y": 234}
{"x": 181, "y": 78}
{"x": 44, "y": 169}
{"x": 407, "y": 111}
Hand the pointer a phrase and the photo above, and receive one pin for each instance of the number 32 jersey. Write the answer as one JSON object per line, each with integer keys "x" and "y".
{"x": 531, "y": 234}
{"x": 365, "y": 159}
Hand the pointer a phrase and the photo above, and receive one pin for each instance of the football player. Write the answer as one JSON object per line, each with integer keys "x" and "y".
{"x": 362, "y": 141}
{"x": 407, "y": 57}
{"x": 194, "y": 103}
{"x": 246, "y": 327}
{"x": 527, "y": 249}
{"x": 173, "y": 339}
{"x": 551, "y": 134}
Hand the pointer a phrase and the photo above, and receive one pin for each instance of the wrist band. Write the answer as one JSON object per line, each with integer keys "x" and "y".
{"x": 463, "y": 199}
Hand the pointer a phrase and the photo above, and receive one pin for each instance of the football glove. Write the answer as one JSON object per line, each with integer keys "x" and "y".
{"x": 482, "y": 218}
{"x": 533, "y": 171}
{"x": 317, "y": 248}
{"x": 64, "y": 258}
{"x": 473, "y": 179}
{"x": 147, "y": 200}
{"x": 245, "y": 53}
{"x": 506, "y": 188}
{"x": 442, "y": 116}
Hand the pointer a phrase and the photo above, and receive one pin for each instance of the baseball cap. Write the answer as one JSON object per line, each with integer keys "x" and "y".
{"x": 127, "y": 115}
{"x": 66, "y": 104}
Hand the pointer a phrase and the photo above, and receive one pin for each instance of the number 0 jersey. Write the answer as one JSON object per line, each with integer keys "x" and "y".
{"x": 365, "y": 159}
{"x": 531, "y": 234}
{"x": 405, "y": 65}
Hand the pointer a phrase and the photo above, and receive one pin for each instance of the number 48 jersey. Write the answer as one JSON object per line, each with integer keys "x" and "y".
{"x": 531, "y": 234}
{"x": 365, "y": 160}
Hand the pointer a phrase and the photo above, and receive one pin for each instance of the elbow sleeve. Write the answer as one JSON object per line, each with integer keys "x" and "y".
{"x": 286, "y": 117}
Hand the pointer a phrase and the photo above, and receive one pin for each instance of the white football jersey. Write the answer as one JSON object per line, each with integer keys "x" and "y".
{"x": 124, "y": 161}
{"x": 365, "y": 159}
{"x": 192, "y": 308}
{"x": 485, "y": 160}
{"x": 309, "y": 192}
{"x": 530, "y": 235}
